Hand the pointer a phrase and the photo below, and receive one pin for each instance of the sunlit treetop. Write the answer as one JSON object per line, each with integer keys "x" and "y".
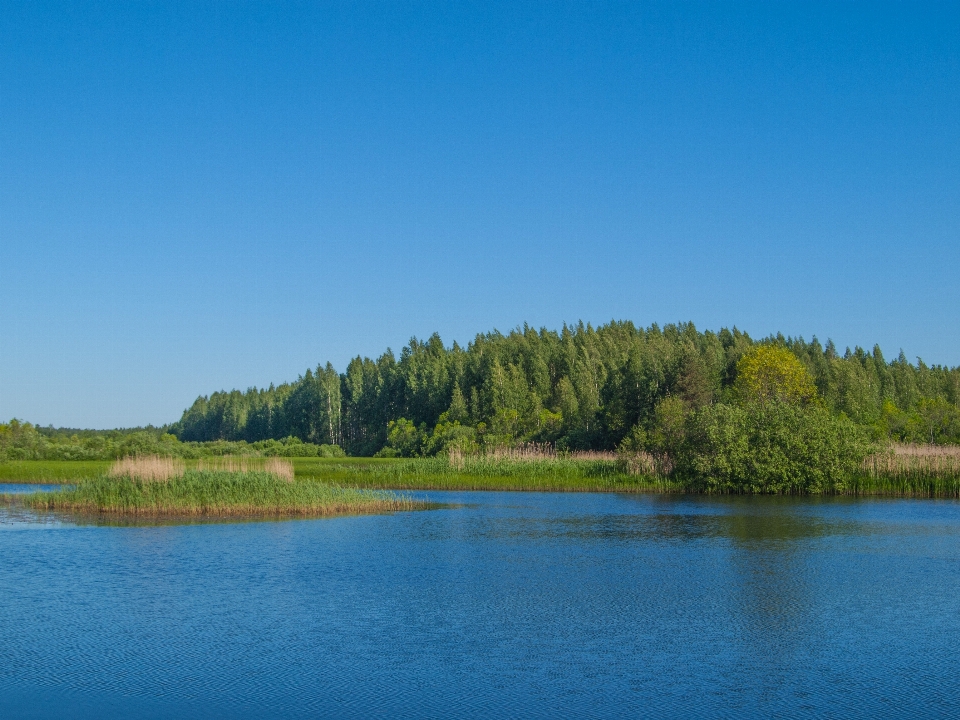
{"x": 771, "y": 373}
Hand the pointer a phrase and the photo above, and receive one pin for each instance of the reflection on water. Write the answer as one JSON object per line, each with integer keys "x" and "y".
{"x": 499, "y": 604}
{"x": 742, "y": 529}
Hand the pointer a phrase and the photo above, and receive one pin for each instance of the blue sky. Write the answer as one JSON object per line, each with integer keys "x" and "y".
{"x": 197, "y": 197}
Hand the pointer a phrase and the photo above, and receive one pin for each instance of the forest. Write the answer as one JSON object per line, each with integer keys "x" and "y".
{"x": 582, "y": 388}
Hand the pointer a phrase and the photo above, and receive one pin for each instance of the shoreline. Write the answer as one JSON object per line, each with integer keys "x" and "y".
{"x": 439, "y": 474}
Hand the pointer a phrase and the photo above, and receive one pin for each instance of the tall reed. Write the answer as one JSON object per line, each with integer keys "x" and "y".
{"x": 152, "y": 468}
{"x": 278, "y": 467}
{"x": 532, "y": 451}
{"x": 546, "y": 471}
{"x": 911, "y": 470}
{"x": 147, "y": 468}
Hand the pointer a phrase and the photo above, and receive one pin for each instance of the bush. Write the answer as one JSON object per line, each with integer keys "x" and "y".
{"x": 771, "y": 448}
{"x": 449, "y": 436}
{"x": 405, "y": 438}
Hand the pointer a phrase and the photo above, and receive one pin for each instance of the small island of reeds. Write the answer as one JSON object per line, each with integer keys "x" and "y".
{"x": 215, "y": 488}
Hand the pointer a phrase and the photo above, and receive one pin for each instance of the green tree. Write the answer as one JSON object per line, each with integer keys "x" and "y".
{"x": 769, "y": 373}
{"x": 404, "y": 438}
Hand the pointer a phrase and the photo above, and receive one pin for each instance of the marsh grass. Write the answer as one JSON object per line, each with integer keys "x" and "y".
{"x": 216, "y": 493}
{"x": 150, "y": 468}
{"x": 51, "y": 471}
{"x": 278, "y": 467}
{"x": 911, "y": 471}
{"x": 533, "y": 452}
{"x": 900, "y": 471}
{"x": 594, "y": 472}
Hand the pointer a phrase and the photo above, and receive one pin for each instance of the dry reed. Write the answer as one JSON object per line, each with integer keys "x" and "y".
{"x": 282, "y": 469}
{"x": 277, "y": 467}
{"x": 152, "y": 468}
{"x": 643, "y": 463}
{"x": 915, "y": 460}
{"x": 546, "y": 451}
{"x": 638, "y": 463}
{"x": 147, "y": 468}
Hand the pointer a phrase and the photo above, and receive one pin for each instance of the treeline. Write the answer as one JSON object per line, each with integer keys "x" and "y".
{"x": 580, "y": 388}
{"x": 24, "y": 441}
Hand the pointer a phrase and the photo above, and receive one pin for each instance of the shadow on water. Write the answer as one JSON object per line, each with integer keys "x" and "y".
{"x": 119, "y": 520}
{"x": 18, "y": 514}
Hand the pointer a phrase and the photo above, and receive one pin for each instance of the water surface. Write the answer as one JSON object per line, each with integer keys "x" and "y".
{"x": 507, "y": 604}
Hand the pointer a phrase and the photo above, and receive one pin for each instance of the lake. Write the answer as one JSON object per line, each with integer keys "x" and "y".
{"x": 503, "y": 604}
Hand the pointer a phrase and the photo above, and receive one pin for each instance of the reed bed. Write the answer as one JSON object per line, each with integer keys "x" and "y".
{"x": 532, "y": 472}
{"x": 898, "y": 471}
{"x": 278, "y": 467}
{"x": 149, "y": 468}
{"x": 217, "y": 493}
{"x": 533, "y": 452}
{"x": 152, "y": 468}
{"x": 910, "y": 471}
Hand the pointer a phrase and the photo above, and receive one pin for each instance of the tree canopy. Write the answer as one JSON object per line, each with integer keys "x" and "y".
{"x": 771, "y": 373}
{"x": 580, "y": 388}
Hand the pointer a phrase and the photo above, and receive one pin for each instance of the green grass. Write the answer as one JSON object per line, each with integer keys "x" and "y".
{"x": 556, "y": 474}
{"x": 905, "y": 484}
{"x": 45, "y": 471}
{"x": 214, "y": 494}
{"x": 479, "y": 473}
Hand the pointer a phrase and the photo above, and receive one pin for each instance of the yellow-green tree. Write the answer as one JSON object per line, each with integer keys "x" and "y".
{"x": 768, "y": 373}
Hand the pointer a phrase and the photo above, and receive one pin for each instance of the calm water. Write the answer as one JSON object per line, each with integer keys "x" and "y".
{"x": 512, "y": 604}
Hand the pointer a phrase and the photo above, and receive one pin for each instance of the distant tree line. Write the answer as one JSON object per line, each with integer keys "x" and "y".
{"x": 24, "y": 441}
{"x": 614, "y": 386}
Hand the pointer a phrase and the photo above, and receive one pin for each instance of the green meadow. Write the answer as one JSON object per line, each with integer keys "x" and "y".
{"x": 904, "y": 472}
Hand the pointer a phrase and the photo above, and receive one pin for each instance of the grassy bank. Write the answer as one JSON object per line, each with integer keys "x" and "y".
{"x": 901, "y": 471}
{"x": 556, "y": 474}
{"x": 156, "y": 487}
{"x": 486, "y": 473}
{"x": 910, "y": 471}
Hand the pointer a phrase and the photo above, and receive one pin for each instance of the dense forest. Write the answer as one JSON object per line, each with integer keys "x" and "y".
{"x": 581, "y": 388}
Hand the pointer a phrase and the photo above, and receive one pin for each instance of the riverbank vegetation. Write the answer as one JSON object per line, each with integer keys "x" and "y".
{"x": 670, "y": 408}
{"x": 165, "y": 487}
{"x": 896, "y": 470}
{"x": 526, "y": 469}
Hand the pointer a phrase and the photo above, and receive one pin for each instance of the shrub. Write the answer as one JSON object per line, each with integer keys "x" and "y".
{"x": 776, "y": 447}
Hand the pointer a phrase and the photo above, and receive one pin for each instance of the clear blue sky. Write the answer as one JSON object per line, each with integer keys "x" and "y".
{"x": 197, "y": 197}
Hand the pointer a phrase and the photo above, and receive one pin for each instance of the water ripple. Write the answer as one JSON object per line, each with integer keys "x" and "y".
{"x": 511, "y": 604}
